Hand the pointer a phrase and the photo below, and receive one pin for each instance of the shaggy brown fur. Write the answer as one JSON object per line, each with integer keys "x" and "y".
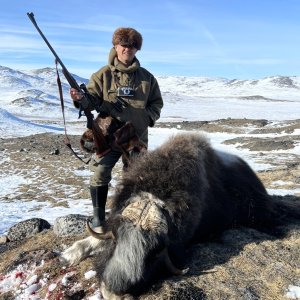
{"x": 108, "y": 127}
{"x": 127, "y": 36}
{"x": 118, "y": 135}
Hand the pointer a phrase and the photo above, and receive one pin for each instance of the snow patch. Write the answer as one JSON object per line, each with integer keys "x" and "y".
{"x": 293, "y": 292}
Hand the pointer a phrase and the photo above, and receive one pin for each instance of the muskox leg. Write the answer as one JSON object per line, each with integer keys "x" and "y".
{"x": 81, "y": 250}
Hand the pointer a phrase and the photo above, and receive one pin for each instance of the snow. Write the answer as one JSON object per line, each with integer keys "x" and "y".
{"x": 23, "y": 281}
{"x": 52, "y": 287}
{"x": 95, "y": 297}
{"x": 293, "y": 292}
{"x": 90, "y": 274}
{"x": 30, "y": 105}
{"x": 10, "y": 183}
{"x": 26, "y": 284}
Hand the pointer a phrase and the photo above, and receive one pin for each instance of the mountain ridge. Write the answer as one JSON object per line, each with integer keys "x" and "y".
{"x": 33, "y": 95}
{"x": 34, "y": 76}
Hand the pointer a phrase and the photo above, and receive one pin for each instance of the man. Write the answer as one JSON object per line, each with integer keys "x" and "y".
{"x": 122, "y": 79}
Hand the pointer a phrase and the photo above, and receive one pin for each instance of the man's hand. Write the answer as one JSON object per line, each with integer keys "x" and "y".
{"x": 75, "y": 94}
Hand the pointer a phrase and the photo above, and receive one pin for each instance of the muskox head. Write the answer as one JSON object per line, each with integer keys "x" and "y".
{"x": 140, "y": 247}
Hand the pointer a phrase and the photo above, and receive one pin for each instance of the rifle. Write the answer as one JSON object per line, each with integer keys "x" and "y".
{"x": 85, "y": 104}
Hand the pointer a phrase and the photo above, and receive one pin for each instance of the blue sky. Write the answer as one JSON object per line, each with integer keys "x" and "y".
{"x": 244, "y": 39}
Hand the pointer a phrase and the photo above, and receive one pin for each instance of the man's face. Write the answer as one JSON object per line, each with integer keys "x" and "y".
{"x": 125, "y": 53}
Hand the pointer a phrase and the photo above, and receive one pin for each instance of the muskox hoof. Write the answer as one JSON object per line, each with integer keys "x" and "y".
{"x": 67, "y": 258}
{"x": 76, "y": 253}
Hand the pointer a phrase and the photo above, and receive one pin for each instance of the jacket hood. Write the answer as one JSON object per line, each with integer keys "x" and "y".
{"x": 115, "y": 64}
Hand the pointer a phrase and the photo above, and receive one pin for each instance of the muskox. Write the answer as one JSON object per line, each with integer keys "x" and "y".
{"x": 180, "y": 193}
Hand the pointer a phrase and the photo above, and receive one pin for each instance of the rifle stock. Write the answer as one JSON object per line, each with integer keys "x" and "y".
{"x": 86, "y": 103}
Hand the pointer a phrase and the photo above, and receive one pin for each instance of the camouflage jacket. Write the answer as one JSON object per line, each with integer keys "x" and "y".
{"x": 143, "y": 108}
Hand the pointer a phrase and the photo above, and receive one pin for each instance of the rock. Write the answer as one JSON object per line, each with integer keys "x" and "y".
{"x": 70, "y": 225}
{"x": 3, "y": 239}
{"x": 75, "y": 295}
{"x": 55, "y": 152}
{"x": 27, "y": 228}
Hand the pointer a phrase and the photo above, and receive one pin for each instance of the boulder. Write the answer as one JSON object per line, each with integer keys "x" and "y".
{"x": 27, "y": 228}
{"x": 3, "y": 239}
{"x": 70, "y": 225}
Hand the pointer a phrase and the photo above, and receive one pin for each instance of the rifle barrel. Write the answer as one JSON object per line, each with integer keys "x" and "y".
{"x": 65, "y": 70}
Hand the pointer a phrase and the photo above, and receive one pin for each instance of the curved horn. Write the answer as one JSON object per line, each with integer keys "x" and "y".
{"x": 170, "y": 265}
{"x": 97, "y": 235}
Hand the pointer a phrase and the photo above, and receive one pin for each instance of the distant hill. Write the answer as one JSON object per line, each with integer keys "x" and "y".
{"x": 32, "y": 95}
{"x": 275, "y": 87}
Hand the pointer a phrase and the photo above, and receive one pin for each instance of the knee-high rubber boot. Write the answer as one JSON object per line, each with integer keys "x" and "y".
{"x": 99, "y": 196}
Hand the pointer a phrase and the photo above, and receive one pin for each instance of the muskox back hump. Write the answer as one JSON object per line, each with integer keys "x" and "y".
{"x": 176, "y": 165}
{"x": 250, "y": 202}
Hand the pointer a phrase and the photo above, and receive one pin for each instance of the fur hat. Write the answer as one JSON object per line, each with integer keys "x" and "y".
{"x": 127, "y": 36}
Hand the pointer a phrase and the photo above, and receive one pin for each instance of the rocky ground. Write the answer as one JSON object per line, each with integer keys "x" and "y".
{"x": 241, "y": 264}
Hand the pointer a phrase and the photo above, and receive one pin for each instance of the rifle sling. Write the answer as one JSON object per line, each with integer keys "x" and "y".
{"x": 67, "y": 140}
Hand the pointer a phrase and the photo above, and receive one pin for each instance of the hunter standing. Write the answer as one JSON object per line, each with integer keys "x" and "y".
{"x": 123, "y": 77}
